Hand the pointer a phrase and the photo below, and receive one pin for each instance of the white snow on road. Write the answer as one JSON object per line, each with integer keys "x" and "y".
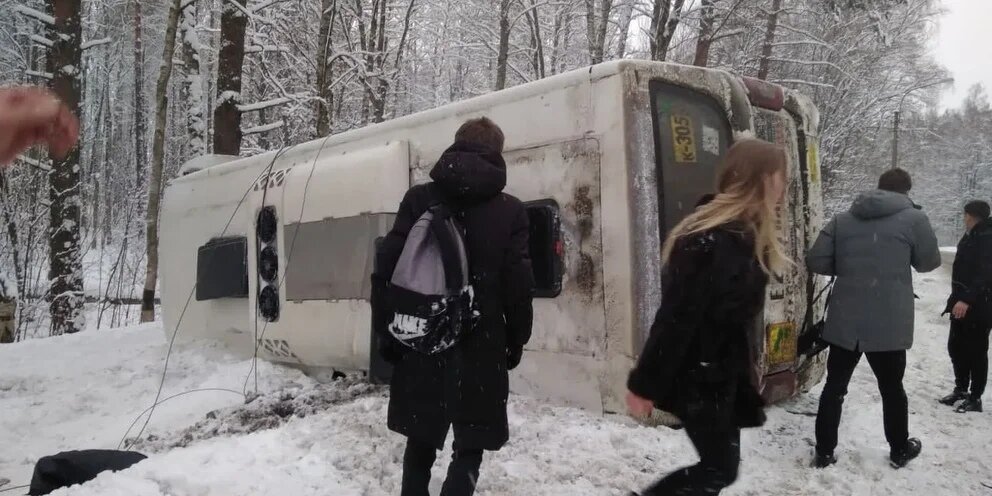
{"x": 83, "y": 391}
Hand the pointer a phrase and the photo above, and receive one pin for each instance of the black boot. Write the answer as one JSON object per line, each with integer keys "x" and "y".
{"x": 902, "y": 457}
{"x": 954, "y": 397}
{"x": 824, "y": 460}
{"x": 970, "y": 405}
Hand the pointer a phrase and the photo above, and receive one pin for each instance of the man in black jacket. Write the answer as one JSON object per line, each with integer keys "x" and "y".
{"x": 970, "y": 306}
{"x": 466, "y": 386}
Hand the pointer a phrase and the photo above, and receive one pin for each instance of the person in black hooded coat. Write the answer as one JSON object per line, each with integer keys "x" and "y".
{"x": 697, "y": 361}
{"x": 465, "y": 387}
{"x": 970, "y": 306}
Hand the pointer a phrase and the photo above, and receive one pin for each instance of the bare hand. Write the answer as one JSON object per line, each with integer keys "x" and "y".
{"x": 32, "y": 116}
{"x": 960, "y": 310}
{"x": 639, "y": 407}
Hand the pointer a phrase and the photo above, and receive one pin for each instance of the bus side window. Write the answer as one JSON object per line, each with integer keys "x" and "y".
{"x": 222, "y": 269}
{"x": 546, "y": 247}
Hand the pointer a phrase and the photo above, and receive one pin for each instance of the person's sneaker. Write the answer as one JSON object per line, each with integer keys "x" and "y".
{"x": 954, "y": 397}
{"x": 902, "y": 457}
{"x": 824, "y": 461}
{"x": 970, "y": 405}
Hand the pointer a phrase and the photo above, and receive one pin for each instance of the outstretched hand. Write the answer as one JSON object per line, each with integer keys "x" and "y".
{"x": 639, "y": 407}
{"x": 32, "y": 116}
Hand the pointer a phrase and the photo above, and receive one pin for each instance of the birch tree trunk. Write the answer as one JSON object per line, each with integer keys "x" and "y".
{"x": 158, "y": 156}
{"x": 192, "y": 92}
{"x": 140, "y": 122}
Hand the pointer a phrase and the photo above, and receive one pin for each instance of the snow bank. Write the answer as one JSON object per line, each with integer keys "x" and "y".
{"x": 83, "y": 391}
{"x": 344, "y": 449}
{"x": 947, "y": 255}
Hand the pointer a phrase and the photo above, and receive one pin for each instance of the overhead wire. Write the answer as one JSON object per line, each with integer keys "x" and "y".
{"x": 282, "y": 275}
{"x": 189, "y": 299}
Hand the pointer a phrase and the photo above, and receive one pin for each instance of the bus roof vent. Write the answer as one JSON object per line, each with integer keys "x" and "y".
{"x": 764, "y": 94}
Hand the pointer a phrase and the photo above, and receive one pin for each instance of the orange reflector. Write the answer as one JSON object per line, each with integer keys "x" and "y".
{"x": 764, "y": 94}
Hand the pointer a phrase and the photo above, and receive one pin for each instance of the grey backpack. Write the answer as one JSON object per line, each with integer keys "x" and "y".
{"x": 430, "y": 295}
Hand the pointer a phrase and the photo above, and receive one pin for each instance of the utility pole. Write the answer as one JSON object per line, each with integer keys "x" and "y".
{"x": 895, "y": 140}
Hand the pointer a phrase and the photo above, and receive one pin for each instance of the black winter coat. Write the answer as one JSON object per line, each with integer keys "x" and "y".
{"x": 466, "y": 385}
{"x": 697, "y": 361}
{"x": 972, "y": 274}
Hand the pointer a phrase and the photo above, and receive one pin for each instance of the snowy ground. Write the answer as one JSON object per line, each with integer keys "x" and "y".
{"x": 83, "y": 391}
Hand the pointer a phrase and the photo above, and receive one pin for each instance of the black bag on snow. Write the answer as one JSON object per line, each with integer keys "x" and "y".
{"x": 76, "y": 467}
{"x": 431, "y": 299}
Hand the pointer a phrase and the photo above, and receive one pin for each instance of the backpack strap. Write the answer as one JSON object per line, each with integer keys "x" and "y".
{"x": 444, "y": 230}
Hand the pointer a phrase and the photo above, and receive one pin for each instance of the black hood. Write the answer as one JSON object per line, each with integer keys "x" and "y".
{"x": 468, "y": 173}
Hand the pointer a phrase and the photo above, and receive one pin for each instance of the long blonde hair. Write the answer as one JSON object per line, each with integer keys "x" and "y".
{"x": 742, "y": 197}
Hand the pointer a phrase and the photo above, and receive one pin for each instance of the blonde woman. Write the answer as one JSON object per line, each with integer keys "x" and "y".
{"x": 697, "y": 362}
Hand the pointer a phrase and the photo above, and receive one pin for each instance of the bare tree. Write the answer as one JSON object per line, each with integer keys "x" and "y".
{"x": 379, "y": 72}
{"x": 707, "y": 19}
{"x": 325, "y": 94}
{"x": 158, "y": 156}
{"x": 227, "y": 117}
{"x": 192, "y": 91}
{"x": 504, "y": 44}
{"x": 536, "y": 40}
{"x": 597, "y": 23}
{"x": 766, "y": 47}
{"x": 665, "y": 19}
{"x": 140, "y": 122}
{"x": 65, "y": 261}
{"x": 623, "y": 27}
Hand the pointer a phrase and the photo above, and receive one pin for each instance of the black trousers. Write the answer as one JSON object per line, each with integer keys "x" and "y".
{"x": 889, "y": 368}
{"x": 463, "y": 472}
{"x": 968, "y": 345}
{"x": 719, "y": 459}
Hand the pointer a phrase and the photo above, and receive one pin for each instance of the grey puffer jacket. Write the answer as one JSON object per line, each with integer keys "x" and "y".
{"x": 871, "y": 249}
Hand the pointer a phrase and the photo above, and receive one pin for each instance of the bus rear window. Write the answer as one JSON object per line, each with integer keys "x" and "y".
{"x": 691, "y": 136}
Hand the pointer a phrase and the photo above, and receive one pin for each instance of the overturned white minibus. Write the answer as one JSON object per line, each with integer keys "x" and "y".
{"x": 277, "y": 249}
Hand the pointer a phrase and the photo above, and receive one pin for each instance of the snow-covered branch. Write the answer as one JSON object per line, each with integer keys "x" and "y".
{"x": 802, "y": 32}
{"x": 265, "y": 49}
{"x": 801, "y": 43}
{"x": 264, "y": 5}
{"x": 263, "y": 129}
{"x": 37, "y": 164}
{"x": 96, "y": 43}
{"x": 37, "y": 74}
{"x": 34, "y": 14}
{"x": 802, "y": 82}
{"x": 811, "y": 62}
{"x": 254, "y": 107}
{"x": 41, "y": 40}
{"x": 239, "y": 7}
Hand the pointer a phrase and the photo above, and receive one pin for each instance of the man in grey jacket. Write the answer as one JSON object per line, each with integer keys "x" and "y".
{"x": 870, "y": 249}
